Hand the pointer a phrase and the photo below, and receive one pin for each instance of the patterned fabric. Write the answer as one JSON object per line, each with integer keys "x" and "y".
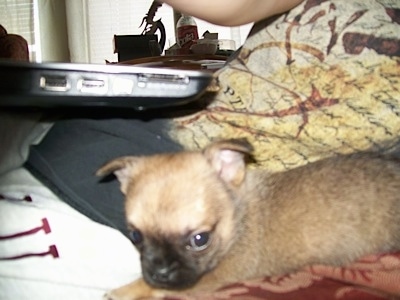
{"x": 48, "y": 250}
{"x": 320, "y": 80}
{"x": 373, "y": 277}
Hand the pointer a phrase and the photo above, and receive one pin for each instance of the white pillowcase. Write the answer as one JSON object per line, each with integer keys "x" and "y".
{"x": 87, "y": 259}
{"x": 18, "y": 131}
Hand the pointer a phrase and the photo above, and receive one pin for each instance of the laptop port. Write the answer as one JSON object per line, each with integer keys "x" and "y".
{"x": 56, "y": 83}
{"x": 94, "y": 86}
{"x": 170, "y": 80}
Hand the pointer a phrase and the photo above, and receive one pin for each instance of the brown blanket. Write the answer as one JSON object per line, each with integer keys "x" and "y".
{"x": 373, "y": 277}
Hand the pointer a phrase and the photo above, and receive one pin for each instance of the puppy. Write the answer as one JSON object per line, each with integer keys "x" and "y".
{"x": 202, "y": 220}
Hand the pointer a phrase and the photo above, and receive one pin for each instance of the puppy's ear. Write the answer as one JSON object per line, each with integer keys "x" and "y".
{"x": 122, "y": 168}
{"x": 228, "y": 158}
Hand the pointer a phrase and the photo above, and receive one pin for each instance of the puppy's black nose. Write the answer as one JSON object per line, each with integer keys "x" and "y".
{"x": 162, "y": 274}
{"x": 163, "y": 267}
{"x": 162, "y": 270}
{"x": 160, "y": 265}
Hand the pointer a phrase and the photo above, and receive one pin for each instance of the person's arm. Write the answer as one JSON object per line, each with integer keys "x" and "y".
{"x": 232, "y": 12}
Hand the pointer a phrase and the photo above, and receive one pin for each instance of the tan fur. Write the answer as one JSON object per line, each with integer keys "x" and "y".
{"x": 330, "y": 212}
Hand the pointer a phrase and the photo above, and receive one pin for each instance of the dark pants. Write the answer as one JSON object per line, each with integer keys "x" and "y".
{"x": 74, "y": 149}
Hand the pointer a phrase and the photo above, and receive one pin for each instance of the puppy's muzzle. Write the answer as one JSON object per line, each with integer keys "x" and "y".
{"x": 162, "y": 267}
{"x": 164, "y": 274}
{"x": 159, "y": 271}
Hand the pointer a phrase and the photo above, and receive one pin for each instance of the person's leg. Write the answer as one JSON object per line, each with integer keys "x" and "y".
{"x": 74, "y": 149}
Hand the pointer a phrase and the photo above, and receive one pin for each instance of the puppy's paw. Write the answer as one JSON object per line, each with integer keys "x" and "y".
{"x": 112, "y": 295}
{"x": 115, "y": 295}
{"x": 109, "y": 296}
{"x": 133, "y": 291}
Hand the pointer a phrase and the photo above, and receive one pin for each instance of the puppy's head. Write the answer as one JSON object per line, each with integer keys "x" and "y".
{"x": 181, "y": 209}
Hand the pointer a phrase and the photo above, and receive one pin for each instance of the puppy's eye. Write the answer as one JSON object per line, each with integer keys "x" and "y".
{"x": 136, "y": 237}
{"x": 199, "y": 241}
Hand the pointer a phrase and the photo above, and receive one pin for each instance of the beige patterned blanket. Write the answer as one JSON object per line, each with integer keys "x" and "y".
{"x": 320, "y": 80}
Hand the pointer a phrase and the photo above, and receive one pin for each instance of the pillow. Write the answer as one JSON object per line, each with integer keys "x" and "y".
{"x": 18, "y": 131}
{"x": 320, "y": 80}
{"x": 49, "y": 250}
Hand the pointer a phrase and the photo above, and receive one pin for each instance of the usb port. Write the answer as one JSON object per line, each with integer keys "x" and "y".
{"x": 56, "y": 83}
{"x": 96, "y": 86}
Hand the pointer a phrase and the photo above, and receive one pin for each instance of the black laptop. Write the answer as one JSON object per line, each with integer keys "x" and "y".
{"x": 68, "y": 84}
